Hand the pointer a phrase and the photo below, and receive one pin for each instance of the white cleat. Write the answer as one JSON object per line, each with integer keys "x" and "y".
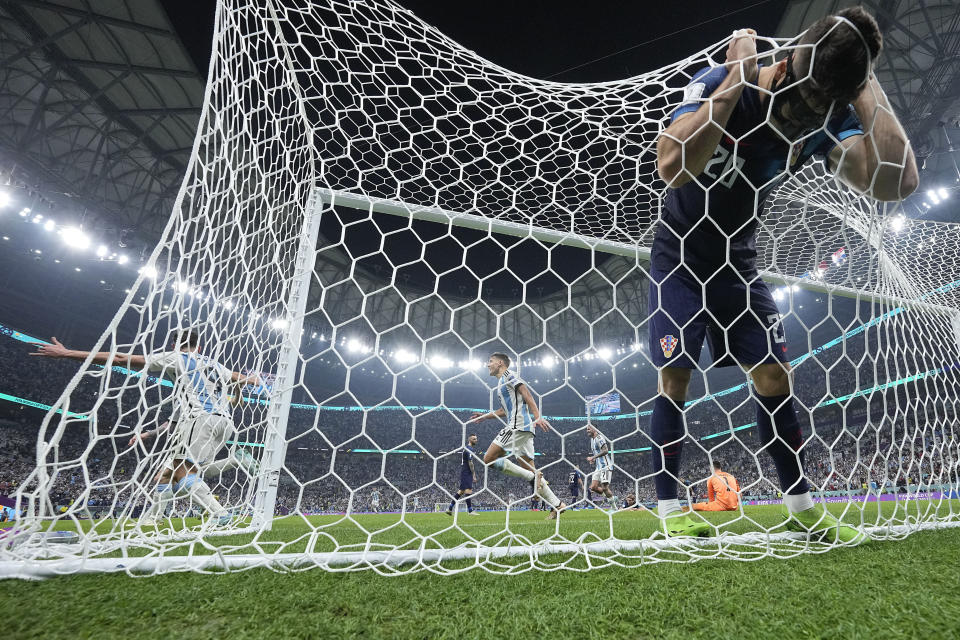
{"x": 472, "y": 513}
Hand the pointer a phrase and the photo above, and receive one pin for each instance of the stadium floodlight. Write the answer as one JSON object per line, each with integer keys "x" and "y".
{"x": 122, "y": 259}
{"x": 405, "y": 357}
{"x": 354, "y": 345}
{"x": 933, "y": 196}
{"x": 5, "y": 199}
{"x": 279, "y": 323}
{"x": 605, "y": 352}
{"x": 148, "y": 271}
{"x": 49, "y": 225}
{"x": 548, "y": 361}
{"x": 101, "y": 251}
{"x": 898, "y": 222}
{"x": 75, "y": 238}
{"x": 181, "y": 287}
{"x": 943, "y": 193}
{"x": 441, "y": 362}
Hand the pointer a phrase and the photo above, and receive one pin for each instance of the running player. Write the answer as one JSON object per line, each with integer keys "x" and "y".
{"x": 602, "y": 459}
{"x": 200, "y": 400}
{"x": 516, "y": 438}
{"x": 727, "y": 140}
{"x": 722, "y": 492}
{"x": 468, "y": 476}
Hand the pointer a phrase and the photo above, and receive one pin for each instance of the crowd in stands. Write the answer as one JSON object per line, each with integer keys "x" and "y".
{"x": 892, "y": 437}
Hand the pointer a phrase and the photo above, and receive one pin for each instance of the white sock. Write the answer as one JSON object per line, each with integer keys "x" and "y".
{"x": 512, "y": 469}
{"x": 548, "y": 495}
{"x": 200, "y": 493}
{"x": 215, "y": 469}
{"x": 163, "y": 499}
{"x": 667, "y": 507}
{"x": 800, "y": 502}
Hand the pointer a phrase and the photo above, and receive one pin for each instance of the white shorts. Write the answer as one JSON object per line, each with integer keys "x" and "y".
{"x": 199, "y": 439}
{"x": 516, "y": 443}
{"x": 603, "y": 476}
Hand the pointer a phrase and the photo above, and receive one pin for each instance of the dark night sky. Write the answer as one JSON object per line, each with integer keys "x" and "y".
{"x": 553, "y": 40}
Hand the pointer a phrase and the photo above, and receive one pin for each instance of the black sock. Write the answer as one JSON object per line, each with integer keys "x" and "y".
{"x": 784, "y": 450}
{"x": 666, "y": 426}
{"x": 469, "y": 505}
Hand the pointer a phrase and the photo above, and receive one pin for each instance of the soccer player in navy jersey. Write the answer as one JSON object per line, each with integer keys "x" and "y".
{"x": 468, "y": 476}
{"x": 742, "y": 129}
{"x": 575, "y": 481}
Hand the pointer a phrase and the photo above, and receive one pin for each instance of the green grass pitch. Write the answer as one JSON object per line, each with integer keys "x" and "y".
{"x": 886, "y": 589}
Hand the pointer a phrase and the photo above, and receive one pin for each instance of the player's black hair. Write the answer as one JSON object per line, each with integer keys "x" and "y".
{"x": 503, "y": 357}
{"x": 471, "y": 436}
{"x": 716, "y": 465}
{"x": 187, "y": 338}
{"x": 843, "y": 56}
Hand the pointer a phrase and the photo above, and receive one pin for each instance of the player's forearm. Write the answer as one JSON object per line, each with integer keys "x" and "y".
{"x": 885, "y": 154}
{"x": 686, "y": 146}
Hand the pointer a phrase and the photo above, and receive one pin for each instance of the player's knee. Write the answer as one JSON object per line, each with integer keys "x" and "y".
{"x": 771, "y": 379}
{"x": 674, "y": 382}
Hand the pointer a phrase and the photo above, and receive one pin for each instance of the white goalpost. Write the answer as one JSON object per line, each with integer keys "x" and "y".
{"x": 370, "y": 211}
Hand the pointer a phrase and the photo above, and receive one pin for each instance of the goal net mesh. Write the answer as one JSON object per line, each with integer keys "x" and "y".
{"x": 370, "y": 211}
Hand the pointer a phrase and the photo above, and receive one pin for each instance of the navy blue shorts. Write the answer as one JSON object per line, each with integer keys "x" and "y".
{"x": 466, "y": 481}
{"x": 741, "y": 322}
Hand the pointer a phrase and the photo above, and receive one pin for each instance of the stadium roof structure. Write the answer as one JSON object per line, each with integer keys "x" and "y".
{"x": 99, "y": 105}
{"x": 99, "y": 102}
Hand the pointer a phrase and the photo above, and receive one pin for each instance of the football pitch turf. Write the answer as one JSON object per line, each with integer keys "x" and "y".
{"x": 885, "y": 589}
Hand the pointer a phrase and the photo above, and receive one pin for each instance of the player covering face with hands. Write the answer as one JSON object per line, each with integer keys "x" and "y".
{"x": 741, "y": 130}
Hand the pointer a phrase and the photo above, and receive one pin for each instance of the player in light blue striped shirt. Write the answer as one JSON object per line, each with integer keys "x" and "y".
{"x": 602, "y": 458}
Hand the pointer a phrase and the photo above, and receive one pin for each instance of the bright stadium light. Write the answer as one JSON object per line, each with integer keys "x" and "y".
{"x": 49, "y": 225}
{"x": 897, "y": 223}
{"x": 943, "y": 193}
{"x": 470, "y": 365}
{"x": 405, "y": 357}
{"x": 149, "y": 272}
{"x": 4, "y": 199}
{"x": 440, "y": 362}
{"x": 279, "y": 323}
{"x": 549, "y": 361}
{"x": 122, "y": 259}
{"x": 353, "y": 345}
{"x": 181, "y": 287}
{"x": 74, "y": 237}
{"x": 605, "y": 352}
{"x": 101, "y": 251}
{"x": 933, "y": 196}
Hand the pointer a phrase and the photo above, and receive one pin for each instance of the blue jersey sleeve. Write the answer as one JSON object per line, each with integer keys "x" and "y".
{"x": 840, "y": 127}
{"x": 702, "y": 85}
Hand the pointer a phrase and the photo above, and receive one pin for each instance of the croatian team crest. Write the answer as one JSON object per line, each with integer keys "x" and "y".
{"x": 668, "y": 344}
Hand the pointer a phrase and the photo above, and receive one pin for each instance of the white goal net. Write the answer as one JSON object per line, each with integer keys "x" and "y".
{"x": 370, "y": 212}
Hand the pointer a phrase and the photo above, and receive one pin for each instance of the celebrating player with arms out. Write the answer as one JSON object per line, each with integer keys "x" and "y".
{"x": 602, "y": 458}
{"x": 201, "y": 404}
{"x": 727, "y": 140}
{"x": 468, "y": 476}
{"x": 516, "y": 439}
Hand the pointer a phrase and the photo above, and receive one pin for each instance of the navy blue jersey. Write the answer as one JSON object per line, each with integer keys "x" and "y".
{"x": 738, "y": 179}
{"x": 572, "y": 479}
{"x": 466, "y": 455}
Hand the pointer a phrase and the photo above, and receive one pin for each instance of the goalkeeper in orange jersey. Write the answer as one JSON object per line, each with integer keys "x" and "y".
{"x": 723, "y": 492}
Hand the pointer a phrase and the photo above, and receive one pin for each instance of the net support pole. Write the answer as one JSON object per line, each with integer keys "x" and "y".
{"x": 275, "y": 444}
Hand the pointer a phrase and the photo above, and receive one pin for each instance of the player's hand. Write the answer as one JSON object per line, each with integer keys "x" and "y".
{"x": 55, "y": 350}
{"x": 476, "y": 416}
{"x": 542, "y": 423}
{"x": 743, "y": 48}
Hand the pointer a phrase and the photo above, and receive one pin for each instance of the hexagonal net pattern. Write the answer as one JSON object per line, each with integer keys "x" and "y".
{"x": 370, "y": 214}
